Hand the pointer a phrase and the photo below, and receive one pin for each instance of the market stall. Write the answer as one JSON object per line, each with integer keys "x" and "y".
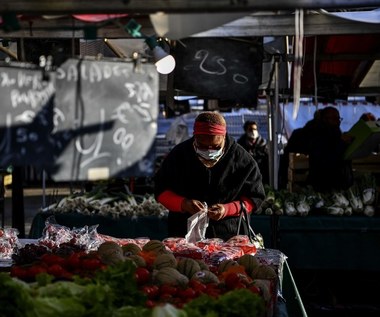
{"x": 312, "y": 242}
{"x": 209, "y": 268}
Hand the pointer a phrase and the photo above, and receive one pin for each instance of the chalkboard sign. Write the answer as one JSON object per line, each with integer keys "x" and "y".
{"x": 218, "y": 68}
{"x": 87, "y": 120}
{"x": 26, "y": 120}
{"x": 108, "y": 111}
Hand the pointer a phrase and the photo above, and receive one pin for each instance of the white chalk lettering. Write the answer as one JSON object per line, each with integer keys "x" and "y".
{"x": 6, "y": 81}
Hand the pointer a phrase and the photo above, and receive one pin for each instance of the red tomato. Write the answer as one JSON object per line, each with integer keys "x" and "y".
{"x": 232, "y": 280}
{"x": 73, "y": 261}
{"x": 187, "y": 293}
{"x": 36, "y": 269}
{"x": 240, "y": 285}
{"x": 91, "y": 264}
{"x": 168, "y": 289}
{"x": 19, "y": 272}
{"x": 56, "y": 270}
{"x": 254, "y": 289}
{"x": 151, "y": 291}
{"x": 197, "y": 286}
{"x": 213, "y": 292}
{"x": 150, "y": 303}
{"x": 51, "y": 259}
{"x": 142, "y": 275}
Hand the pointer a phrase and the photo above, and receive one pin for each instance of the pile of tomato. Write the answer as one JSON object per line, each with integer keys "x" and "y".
{"x": 60, "y": 267}
{"x": 180, "y": 295}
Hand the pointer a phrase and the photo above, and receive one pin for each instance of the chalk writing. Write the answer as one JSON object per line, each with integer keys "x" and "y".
{"x": 115, "y": 108}
{"x": 224, "y": 69}
{"x": 86, "y": 116}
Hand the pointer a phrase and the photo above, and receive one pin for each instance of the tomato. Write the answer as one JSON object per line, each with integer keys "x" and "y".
{"x": 142, "y": 275}
{"x": 151, "y": 291}
{"x": 187, "y": 293}
{"x": 56, "y": 270}
{"x": 213, "y": 292}
{"x": 36, "y": 269}
{"x": 91, "y": 264}
{"x": 51, "y": 259}
{"x": 19, "y": 272}
{"x": 168, "y": 289}
{"x": 197, "y": 286}
{"x": 254, "y": 289}
{"x": 166, "y": 298}
{"x": 150, "y": 303}
{"x": 73, "y": 261}
{"x": 240, "y": 285}
{"x": 236, "y": 280}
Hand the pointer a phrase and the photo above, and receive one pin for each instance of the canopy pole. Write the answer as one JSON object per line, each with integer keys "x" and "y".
{"x": 272, "y": 123}
{"x": 273, "y": 146}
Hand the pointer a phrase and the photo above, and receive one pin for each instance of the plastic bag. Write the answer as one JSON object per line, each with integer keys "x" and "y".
{"x": 196, "y": 227}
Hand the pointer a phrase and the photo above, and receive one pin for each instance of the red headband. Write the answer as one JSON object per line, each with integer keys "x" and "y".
{"x": 209, "y": 128}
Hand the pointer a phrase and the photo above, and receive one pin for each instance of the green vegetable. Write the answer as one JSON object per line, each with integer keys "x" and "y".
{"x": 15, "y": 297}
{"x": 302, "y": 206}
{"x": 131, "y": 311}
{"x": 236, "y": 303}
{"x": 354, "y": 198}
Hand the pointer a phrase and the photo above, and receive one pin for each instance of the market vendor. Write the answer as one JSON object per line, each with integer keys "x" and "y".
{"x": 208, "y": 170}
{"x": 328, "y": 170}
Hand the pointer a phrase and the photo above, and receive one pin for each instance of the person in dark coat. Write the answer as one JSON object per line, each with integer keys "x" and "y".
{"x": 328, "y": 170}
{"x": 209, "y": 168}
{"x": 299, "y": 142}
{"x": 257, "y": 146}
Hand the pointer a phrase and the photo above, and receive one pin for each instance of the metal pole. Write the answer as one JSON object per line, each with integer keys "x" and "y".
{"x": 272, "y": 124}
{"x": 275, "y": 122}
{"x": 273, "y": 150}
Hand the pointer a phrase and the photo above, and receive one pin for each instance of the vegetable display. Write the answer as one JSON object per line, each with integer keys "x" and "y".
{"x": 105, "y": 201}
{"x": 359, "y": 199}
{"x": 85, "y": 283}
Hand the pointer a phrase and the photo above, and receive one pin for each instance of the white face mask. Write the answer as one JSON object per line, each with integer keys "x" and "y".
{"x": 253, "y": 135}
{"x": 210, "y": 154}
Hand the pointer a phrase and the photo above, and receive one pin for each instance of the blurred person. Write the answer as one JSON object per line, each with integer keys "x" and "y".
{"x": 210, "y": 171}
{"x": 298, "y": 143}
{"x": 257, "y": 146}
{"x": 367, "y": 116}
{"x": 328, "y": 170}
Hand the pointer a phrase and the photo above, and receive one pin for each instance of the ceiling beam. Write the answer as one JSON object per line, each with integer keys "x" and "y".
{"x": 249, "y": 26}
{"x": 152, "y": 6}
{"x": 283, "y": 24}
{"x": 68, "y": 27}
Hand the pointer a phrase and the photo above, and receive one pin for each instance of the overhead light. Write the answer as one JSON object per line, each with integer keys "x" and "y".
{"x": 165, "y": 63}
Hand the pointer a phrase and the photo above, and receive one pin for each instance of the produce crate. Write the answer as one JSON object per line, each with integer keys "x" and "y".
{"x": 298, "y": 171}
{"x": 298, "y": 161}
{"x": 369, "y": 164}
{"x": 297, "y": 175}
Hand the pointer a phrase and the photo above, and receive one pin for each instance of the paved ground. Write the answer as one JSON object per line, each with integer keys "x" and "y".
{"x": 34, "y": 200}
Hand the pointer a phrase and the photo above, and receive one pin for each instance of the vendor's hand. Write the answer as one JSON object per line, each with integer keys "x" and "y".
{"x": 216, "y": 212}
{"x": 192, "y": 206}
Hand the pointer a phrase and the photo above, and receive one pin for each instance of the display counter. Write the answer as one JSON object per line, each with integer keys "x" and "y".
{"x": 122, "y": 227}
{"x": 331, "y": 243}
{"x": 311, "y": 242}
{"x": 126, "y": 227}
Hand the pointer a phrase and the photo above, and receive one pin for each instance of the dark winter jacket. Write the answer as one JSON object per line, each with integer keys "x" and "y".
{"x": 259, "y": 150}
{"x": 235, "y": 175}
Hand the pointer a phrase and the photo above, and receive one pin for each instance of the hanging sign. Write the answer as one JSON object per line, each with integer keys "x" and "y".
{"x": 107, "y": 119}
{"x": 217, "y": 68}
{"x": 26, "y": 120}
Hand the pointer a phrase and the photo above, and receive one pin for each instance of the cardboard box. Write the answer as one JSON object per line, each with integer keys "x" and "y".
{"x": 297, "y": 175}
{"x": 366, "y": 139}
{"x": 298, "y": 161}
